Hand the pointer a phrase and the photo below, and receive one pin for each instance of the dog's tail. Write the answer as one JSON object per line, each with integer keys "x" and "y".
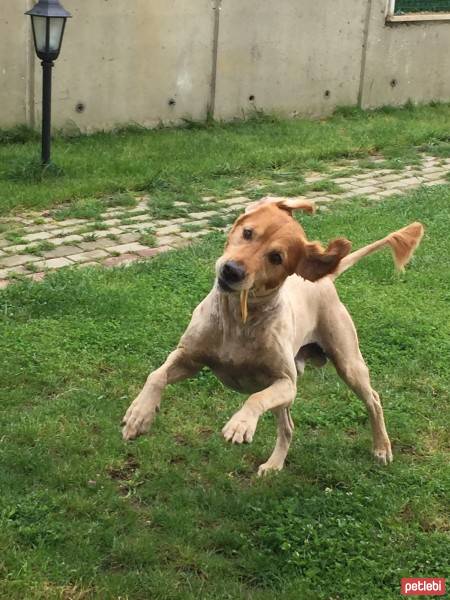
{"x": 402, "y": 243}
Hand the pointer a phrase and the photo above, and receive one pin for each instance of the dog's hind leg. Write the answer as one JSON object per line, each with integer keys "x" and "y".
{"x": 142, "y": 410}
{"x": 285, "y": 428}
{"x": 346, "y": 356}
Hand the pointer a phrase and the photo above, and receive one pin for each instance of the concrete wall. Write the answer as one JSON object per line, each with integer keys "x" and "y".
{"x": 15, "y": 70}
{"x": 293, "y": 56}
{"x": 405, "y": 61}
{"x": 162, "y": 60}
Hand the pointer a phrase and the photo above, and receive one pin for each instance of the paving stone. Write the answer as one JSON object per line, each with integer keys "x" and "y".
{"x": 368, "y": 182}
{"x": 4, "y": 243}
{"x": 190, "y": 235}
{"x": 127, "y": 248}
{"x": 126, "y": 238}
{"x": 17, "y": 259}
{"x": 168, "y": 230}
{"x": 70, "y": 222}
{"x": 137, "y": 228}
{"x": 111, "y": 222}
{"x": 3, "y": 273}
{"x": 432, "y": 169}
{"x": 20, "y": 270}
{"x": 167, "y": 248}
{"x": 231, "y": 201}
{"x": 89, "y": 264}
{"x": 88, "y": 256}
{"x": 37, "y": 277}
{"x": 437, "y": 182}
{"x": 40, "y": 235}
{"x": 432, "y": 176}
{"x": 234, "y": 207}
{"x": 64, "y": 240}
{"x": 167, "y": 240}
{"x": 408, "y": 182}
{"x": 391, "y": 177}
{"x": 149, "y": 252}
{"x": 179, "y": 203}
{"x": 387, "y": 193}
{"x": 346, "y": 186}
{"x": 140, "y": 217}
{"x": 124, "y": 259}
{"x": 102, "y": 243}
{"x": 206, "y": 214}
{"x": 323, "y": 199}
{"x": 61, "y": 251}
{"x": 4, "y": 283}
{"x": 370, "y": 189}
{"x": 54, "y": 263}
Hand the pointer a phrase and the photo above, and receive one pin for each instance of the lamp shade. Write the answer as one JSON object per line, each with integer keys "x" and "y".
{"x": 48, "y": 18}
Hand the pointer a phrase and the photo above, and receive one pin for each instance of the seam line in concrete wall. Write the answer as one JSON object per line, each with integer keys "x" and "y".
{"x": 364, "y": 52}
{"x": 217, "y": 6}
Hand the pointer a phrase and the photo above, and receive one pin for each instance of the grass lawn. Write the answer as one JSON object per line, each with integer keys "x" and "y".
{"x": 210, "y": 160}
{"x": 179, "y": 514}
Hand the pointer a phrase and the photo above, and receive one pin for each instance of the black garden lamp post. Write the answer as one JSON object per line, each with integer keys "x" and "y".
{"x": 48, "y": 18}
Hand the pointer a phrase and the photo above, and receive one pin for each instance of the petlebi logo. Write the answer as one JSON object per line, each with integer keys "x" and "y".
{"x": 423, "y": 586}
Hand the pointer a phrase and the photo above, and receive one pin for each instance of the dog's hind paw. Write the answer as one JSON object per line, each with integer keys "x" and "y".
{"x": 269, "y": 467}
{"x": 241, "y": 427}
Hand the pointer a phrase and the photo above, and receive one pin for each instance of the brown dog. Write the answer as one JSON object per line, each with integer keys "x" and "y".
{"x": 273, "y": 306}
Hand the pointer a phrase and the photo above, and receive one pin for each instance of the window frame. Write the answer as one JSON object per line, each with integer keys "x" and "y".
{"x": 391, "y": 17}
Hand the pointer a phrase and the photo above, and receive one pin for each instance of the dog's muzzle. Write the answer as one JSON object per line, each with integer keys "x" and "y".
{"x": 230, "y": 274}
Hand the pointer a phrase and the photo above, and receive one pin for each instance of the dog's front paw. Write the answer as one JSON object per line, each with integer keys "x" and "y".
{"x": 241, "y": 427}
{"x": 137, "y": 420}
{"x": 383, "y": 454}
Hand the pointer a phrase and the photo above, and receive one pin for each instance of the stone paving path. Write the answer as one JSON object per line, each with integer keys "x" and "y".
{"x": 123, "y": 235}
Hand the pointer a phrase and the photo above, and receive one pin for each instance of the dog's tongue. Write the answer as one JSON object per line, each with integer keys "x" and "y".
{"x": 244, "y": 308}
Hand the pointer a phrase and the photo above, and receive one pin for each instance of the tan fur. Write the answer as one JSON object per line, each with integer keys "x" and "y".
{"x": 258, "y": 334}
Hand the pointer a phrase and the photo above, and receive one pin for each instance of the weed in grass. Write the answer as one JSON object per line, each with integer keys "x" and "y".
{"x": 31, "y": 267}
{"x": 126, "y": 221}
{"x": 81, "y": 209}
{"x": 30, "y": 171}
{"x": 325, "y": 185}
{"x": 112, "y": 236}
{"x": 15, "y": 236}
{"x": 39, "y": 248}
{"x": 148, "y": 239}
{"x": 20, "y": 134}
{"x": 217, "y": 221}
{"x": 192, "y": 227}
{"x": 121, "y": 199}
{"x": 39, "y": 221}
{"x": 90, "y": 237}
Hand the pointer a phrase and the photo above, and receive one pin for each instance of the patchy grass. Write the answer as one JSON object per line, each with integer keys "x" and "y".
{"x": 179, "y": 514}
{"x": 208, "y": 160}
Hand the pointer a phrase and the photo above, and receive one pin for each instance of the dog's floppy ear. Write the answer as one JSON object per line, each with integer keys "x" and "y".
{"x": 288, "y": 204}
{"x": 315, "y": 262}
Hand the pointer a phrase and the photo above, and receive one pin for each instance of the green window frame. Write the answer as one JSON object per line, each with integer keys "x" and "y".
{"x": 415, "y": 6}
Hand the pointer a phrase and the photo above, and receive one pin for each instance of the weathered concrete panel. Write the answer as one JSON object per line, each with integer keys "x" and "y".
{"x": 14, "y": 53}
{"x": 293, "y": 57}
{"x": 125, "y": 61}
{"x": 405, "y": 61}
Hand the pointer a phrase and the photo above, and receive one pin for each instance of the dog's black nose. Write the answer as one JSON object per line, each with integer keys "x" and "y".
{"x": 232, "y": 272}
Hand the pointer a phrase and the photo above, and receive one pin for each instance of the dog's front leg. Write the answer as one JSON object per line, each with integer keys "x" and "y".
{"x": 242, "y": 425}
{"x": 142, "y": 410}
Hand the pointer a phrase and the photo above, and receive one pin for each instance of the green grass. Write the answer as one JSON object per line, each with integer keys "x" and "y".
{"x": 179, "y": 514}
{"x": 207, "y": 160}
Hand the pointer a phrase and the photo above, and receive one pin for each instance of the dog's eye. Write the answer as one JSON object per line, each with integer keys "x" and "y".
{"x": 247, "y": 234}
{"x": 275, "y": 258}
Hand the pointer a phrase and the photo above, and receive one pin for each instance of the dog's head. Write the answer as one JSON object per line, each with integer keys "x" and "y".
{"x": 266, "y": 245}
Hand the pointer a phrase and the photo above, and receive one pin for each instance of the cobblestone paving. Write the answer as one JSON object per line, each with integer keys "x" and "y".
{"x": 123, "y": 235}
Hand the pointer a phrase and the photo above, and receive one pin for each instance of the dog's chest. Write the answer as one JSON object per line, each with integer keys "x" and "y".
{"x": 245, "y": 364}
